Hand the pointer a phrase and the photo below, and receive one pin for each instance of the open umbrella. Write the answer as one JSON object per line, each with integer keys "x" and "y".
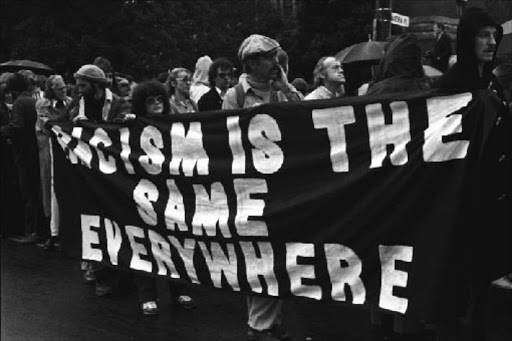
{"x": 371, "y": 51}
{"x": 15, "y": 65}
{"x": 505, "y": 47}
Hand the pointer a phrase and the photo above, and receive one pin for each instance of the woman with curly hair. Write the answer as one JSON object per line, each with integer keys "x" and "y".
{"x": 150, "y": 98}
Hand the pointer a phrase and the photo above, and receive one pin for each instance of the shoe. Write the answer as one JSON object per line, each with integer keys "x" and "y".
{"x": 89, "y": 277}
{"x": 503, "y": 283}
{"x": 30, "y": 239}
{"x": 150, "y": 308}
{"x": 50, "y": 244}
{"x": 186, "y": 302}
{"x": 103, "y": 289}
{"x": 265, "y": 335}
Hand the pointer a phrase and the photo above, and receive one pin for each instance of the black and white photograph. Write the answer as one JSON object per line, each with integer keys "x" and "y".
{"x": 256, "y": 170}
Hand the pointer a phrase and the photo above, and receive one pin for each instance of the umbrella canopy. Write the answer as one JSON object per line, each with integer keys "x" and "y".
{"x": 15, "y": 65}
{"x": 366, "y": 51}
{"x": 431, "y": 71}
{"x": 505, "y": 47}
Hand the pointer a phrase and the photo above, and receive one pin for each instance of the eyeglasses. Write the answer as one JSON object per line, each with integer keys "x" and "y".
{"x": 152, "y": 100}
{"x": 224, "y": 74}
{"x": 185, "y": 79}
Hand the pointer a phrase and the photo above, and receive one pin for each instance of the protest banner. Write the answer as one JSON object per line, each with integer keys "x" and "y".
{"x": 362, "y": 201}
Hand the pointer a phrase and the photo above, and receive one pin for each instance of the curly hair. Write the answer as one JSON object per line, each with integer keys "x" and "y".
{"x": 221, "y": 63}
{"x": 145, "y": 89}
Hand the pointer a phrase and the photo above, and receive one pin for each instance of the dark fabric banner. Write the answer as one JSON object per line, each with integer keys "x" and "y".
{"x": 363, "y": 201}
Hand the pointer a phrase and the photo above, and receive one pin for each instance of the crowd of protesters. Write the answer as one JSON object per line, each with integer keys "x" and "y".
{"x": 28, "y": 103}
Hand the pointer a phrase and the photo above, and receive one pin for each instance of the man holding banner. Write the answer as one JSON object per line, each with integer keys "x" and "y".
{"x": 266, "y": 82}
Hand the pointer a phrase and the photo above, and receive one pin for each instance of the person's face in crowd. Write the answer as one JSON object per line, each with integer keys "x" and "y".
{"x": 223, "y": 79}
{"x": 85, "y": 87}
{"x": 155, "y": 105}
{"x": 485, "y": 43}
{"x": 123, "y": 86}
{"x": 265, "y": 67}
{"x": 59, "y": 89}
{"x": 8, "y": 98}
{"x": 110, "y": 78}
{"x": 334, "y": 71}
{"x": 182, "y": 83}
{"x": 437, "y": 30}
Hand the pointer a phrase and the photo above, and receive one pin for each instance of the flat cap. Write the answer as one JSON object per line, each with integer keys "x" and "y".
{"x": 92, "y": 73}
{"x": 256, "y": 44}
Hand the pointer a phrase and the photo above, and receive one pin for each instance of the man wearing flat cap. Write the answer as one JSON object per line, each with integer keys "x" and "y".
{"x": 95, "y": 101}
{"x": 265, "y": 82}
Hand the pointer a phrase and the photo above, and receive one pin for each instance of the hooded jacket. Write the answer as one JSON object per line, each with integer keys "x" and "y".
{"x": 464, "y": 74}
{"x": 200, "y": 84}
{"x": 401, "y": 68}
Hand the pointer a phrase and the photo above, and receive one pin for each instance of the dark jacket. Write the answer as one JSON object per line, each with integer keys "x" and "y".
{"x": 464, "y": 74}
{"x": 119, "y": 108}
{"x": 442, "y": 52}
{"x": 21, "y": 129}
{"x": 401, "y": 68}
{"x": 210, "y": 101}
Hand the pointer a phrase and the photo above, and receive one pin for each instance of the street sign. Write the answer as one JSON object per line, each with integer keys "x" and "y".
{"x": 400, "y": 20}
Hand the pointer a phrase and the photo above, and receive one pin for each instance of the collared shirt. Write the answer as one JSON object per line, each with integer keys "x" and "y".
{"x": 322, "y": 93}
{"x": 182, "y": 107}
{"x": 220, "y": 93}
{"x": 255, "y": 97}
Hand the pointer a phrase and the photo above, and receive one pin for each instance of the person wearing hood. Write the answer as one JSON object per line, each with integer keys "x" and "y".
{"x": 401, "y": 68}
{"x": 200, "y": 83}
{"x": 478, "y": 37}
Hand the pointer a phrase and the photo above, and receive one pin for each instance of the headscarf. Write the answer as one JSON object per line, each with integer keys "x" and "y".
{"x": 201, "y": 71}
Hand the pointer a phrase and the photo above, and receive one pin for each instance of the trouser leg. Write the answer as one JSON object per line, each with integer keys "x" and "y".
{"x": 146, "y": 288}
{"x": 55, "y": 217}
{"x": 264, "y": 312}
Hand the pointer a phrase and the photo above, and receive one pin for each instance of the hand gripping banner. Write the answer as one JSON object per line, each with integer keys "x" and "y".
{"x": 361, "y": 201}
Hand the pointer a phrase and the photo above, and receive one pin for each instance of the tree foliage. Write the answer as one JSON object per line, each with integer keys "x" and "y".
{"x": 145, "y": 37}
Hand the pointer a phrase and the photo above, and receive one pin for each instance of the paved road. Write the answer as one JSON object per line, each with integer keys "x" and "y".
{"x": 43, "y": 298}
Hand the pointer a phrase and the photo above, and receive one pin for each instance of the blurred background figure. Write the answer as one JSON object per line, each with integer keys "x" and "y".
{"x": 401, "y": 68}
{"x": 301, "y": 85}
{"x": 105, "y": 65}
{"x": 442, "y": 52}
{"x": 10, "y": 200}
{"x": 200, "y": 82}
{"x": 124, "y": 87}
{"x": 20, "y": 131}
{"x": 461, "y": 6}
